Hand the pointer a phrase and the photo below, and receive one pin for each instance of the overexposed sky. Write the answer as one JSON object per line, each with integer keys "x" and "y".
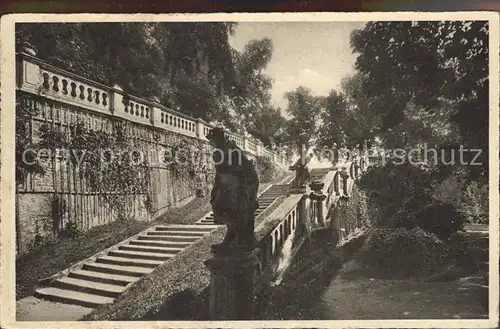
{"x": 316, "y": 55}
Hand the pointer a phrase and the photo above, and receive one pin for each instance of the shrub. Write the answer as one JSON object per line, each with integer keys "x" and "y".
{"x": 394, "y": 188}
{"x": 443, "y": 219}
{"x": 266, "y": 169}
{"x": 474, "y": 201}
{"x": 402, "y": 196}
{"x": 397, "y": 253}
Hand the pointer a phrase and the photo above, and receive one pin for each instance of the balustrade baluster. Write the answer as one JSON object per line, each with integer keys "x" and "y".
{"x": 89, "y": 94}
{"x": 65, "y": 86}
{"x": 55, "y": 86}
{"x": 46, "y": 83}
{"x": 82, "y": 92}
{"x": 73, "y": 89}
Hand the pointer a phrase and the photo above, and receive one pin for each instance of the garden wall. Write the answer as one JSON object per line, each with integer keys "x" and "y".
{"x": 57, "y": 102}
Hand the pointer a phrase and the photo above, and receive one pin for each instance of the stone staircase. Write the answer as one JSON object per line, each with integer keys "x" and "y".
{"x": 103, "y": 277}
{"x": 266, "y": 198}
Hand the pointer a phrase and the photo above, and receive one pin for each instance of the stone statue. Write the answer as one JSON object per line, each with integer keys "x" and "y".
{"x": 302, "y": 173}
{"x": 234, "y": 193}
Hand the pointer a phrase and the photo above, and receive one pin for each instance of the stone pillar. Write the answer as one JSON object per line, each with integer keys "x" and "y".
{"x": 246, "y": 148}
{"x": 303, "y": 220}
{"x": 199, "y": 129}
{"x": 155, "y": 111}
{"x": 259, "y": 148}
{"x": 232, "y": 285}
{"x": 116, "y": 101}
{"x": 319, "y": 198}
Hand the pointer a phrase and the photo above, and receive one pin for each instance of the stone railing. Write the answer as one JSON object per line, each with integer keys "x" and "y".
{"x": 37, "y": 77}
{"x": 279, "y": 227}
{"x": 280, "y": 236}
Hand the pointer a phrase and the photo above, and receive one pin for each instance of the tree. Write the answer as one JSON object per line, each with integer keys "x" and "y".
{"x": 437, "y": 67}
{"x": 347, "y": 120}
{"x": 110, "y": 53}
{"x": 304, "y": 109}
{"x": 267, "y": 126}
{"x": 333, "y": 118}
{"x": 188, "y": 66}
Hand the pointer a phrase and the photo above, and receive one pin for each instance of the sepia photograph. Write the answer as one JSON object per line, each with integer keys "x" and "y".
{"x": 284, "y": 169}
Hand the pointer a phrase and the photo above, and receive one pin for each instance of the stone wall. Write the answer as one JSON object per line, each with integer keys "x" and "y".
{"x": 60, "y": 99}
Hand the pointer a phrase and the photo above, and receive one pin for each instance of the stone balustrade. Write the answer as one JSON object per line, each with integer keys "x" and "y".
{"x": 280, "y": 226}
{"x": 37, "y": 77}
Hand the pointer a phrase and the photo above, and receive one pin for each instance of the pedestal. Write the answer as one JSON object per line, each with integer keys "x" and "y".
{"x": 232, "y": 285}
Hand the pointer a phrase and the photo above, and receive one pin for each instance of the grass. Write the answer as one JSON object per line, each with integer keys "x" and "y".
{"x": 60, "y": 254}
{"x": 176, "y": 290}
{"x": 329, "y": 291}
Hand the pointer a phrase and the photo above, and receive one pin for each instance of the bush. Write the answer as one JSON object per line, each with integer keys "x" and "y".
{"x": 399, "y": 253}
{"x": 394, "y": 188}
{"x": 474, "y": 201}
{"x": 266, "y": 169}
{"x": 402, "y": 196}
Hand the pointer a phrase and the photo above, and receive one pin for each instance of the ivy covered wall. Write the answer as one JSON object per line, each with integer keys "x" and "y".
{"x": 77, "y": 169}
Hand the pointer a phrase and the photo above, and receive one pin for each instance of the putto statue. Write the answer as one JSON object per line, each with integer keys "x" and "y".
{"x": 302, "y": 172}
{"x": 234, "y": 194}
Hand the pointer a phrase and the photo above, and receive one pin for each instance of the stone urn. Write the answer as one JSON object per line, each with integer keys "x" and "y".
{"x": 316, "y": 186}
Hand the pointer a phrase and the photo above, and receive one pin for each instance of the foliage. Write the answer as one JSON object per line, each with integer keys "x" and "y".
{"x": 115, "y": 174}
{"x": 346, "y": 118}
{"x": 188, "y": 66}
{"x": 26, "y": 162}
{"x": 399, "y": 253}
{"x": 439, "y": 67}
{"x": 333, "y": 129}
{"x": 474, "y": 201}
{"x": 189, "y": 162}
{"x": 403, "y": 196}
{"x": 252, "y": 93}
{"x": 266, "y": 169}
{"x": 442, "y": 219}
{"x": 356, "y": 212}
{"x": 304, "y": 110}
{"x": 393, "y": 188}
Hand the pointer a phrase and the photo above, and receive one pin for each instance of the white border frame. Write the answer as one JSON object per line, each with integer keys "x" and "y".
{"x": 7, "y": 170}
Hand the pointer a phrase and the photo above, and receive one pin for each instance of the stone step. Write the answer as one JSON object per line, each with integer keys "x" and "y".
{"x": 189, "y": 228}
{"x": 72, "y": 297}
{"x": 174, "y": 238}
{"x": 117, "y": 269}
{"x": 159, "y": 243}
{"x": 116, "y": 279}
{"x": 179, "y": 233}
{"x": 172, "y": 250}
{"x": 267, "y": 201}
{"x": 141, "y": 255}
{"x": 89, "y": 287}
{"x": 128, "y": 261}
{"x": 206, "y": 223}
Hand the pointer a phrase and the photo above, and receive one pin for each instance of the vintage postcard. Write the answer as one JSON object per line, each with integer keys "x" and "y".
{"x": 274, "y": 170}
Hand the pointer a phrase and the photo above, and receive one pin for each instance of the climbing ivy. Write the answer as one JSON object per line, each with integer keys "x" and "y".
{"x": 26, "y": 162}
{"x": 190, "y": 162}
{"x": 108, "y": 162}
